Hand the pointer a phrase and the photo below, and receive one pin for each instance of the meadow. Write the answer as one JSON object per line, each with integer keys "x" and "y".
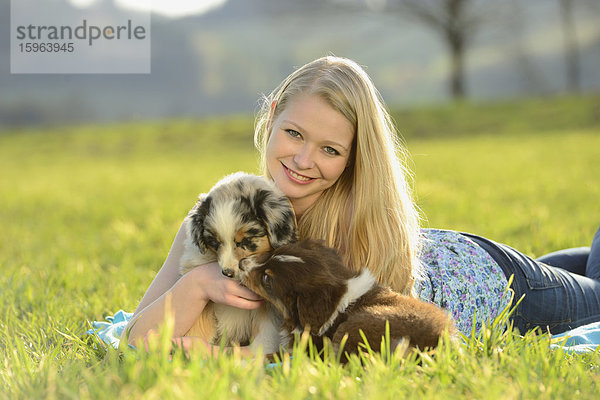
{"x": 88, "y": 213}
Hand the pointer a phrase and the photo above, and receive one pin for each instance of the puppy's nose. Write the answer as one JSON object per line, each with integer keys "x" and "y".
{"x": 228, "y": 273}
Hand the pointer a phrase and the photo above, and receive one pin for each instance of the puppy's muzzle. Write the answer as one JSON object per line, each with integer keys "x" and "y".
{"x": 228, "y": 273}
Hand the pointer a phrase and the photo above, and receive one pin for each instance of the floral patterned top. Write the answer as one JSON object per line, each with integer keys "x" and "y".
{"x": 462, "y": 278}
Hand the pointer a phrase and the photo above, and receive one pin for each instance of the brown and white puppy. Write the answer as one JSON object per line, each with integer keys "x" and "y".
{"x": 241, "y": 215}
{"x": 312, "y": 289}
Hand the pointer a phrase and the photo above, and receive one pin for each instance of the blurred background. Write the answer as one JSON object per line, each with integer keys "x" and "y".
{"x": 217, "y": 57}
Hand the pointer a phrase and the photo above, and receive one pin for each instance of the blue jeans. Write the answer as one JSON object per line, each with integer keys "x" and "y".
{"x": 580, "y": 260}
{"x": 558, "y": 297}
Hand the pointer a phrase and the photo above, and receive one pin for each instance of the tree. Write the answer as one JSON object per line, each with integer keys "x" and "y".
{"x": 457, "y": 21}
{"x": 571, "y": 45}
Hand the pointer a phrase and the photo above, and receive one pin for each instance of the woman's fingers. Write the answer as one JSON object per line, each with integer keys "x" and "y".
{"x": 240, "y": 302}
{"x": 220, "y": 289}
{"x": 236, "y": 289}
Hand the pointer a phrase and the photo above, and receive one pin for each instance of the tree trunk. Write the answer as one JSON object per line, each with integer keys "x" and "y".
{"x": 456, "y": 36}
{"x": 571, "y": 48}
{"x": 456, "y": 45}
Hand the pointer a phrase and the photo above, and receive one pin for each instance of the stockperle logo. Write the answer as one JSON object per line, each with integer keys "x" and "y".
{"x": 53, "y": 36}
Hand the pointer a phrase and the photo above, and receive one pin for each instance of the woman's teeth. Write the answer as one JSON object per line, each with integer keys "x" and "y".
{"x": 299, "y": 177}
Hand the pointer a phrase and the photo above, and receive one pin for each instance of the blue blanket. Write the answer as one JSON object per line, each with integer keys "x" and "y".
{"x": 584, "y": 339}
{"x": 109, "y": 331}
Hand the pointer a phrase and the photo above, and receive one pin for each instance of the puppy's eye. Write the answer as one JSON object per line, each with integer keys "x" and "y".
{"x": 244, "y": 243}
{"x": 266, "y": 280}
{"x": 212, "y": 242}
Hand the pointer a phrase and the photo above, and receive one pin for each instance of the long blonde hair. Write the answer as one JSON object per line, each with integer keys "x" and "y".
{"x": 368, "y": 215}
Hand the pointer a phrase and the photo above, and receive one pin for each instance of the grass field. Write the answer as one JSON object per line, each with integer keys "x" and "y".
{"x": 88, "y": 214}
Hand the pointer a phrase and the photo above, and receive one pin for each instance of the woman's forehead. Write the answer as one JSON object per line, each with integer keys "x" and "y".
{"x": 312, "y": 115}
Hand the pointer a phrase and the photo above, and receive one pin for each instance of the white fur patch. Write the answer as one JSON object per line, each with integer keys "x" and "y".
{"x": 285, "y": 337}
{"x": 357, "y": 286}
{"x": 235, "y": 323}
{"x": 297, "y": 331}
{"x": 247, "y": 265}
{"x": 286, "y": 258}
{"x": 226, "y": 220}
{"x": 268, "y": 337}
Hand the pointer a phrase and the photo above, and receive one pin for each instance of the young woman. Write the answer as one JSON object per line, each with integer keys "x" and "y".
{"x": 328, "y": 143}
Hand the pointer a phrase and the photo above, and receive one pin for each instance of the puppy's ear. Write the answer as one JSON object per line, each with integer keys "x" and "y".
{"x": 278, "y": 215}
{"x": 195, "y": 221}
{"x": 316, "y": 308}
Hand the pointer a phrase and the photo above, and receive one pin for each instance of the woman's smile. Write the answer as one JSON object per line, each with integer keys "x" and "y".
{"x": 296, "y": 177}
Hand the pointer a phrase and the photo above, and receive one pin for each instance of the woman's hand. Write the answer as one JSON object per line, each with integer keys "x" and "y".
{"x": 188, "y": 297}
{"x": 213, "y": 285}
{"x": 184, "y": 296}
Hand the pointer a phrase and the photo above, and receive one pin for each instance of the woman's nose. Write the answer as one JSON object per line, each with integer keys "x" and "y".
{"x": 304, "y": 158}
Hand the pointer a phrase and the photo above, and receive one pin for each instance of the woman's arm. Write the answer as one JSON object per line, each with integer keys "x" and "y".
{"x": 189, "y": 295}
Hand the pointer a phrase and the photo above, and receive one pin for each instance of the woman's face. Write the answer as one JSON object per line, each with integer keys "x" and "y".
{"x": 309, "y": 148}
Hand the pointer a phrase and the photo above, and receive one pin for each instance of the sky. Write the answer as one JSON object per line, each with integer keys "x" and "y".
{"x": 169, "y": 8}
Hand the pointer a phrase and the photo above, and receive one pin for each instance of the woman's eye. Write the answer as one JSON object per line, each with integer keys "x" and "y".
{"x": 331, "y": 151}
{"x": 293, "y": 133}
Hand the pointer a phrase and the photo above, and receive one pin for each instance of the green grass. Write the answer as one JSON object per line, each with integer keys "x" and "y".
{"x": 88, "y": 213}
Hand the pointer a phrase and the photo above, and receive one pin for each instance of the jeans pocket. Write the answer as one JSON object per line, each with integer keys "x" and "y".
{"x": 539, "y": 276}
{"x": 546, "y": 304}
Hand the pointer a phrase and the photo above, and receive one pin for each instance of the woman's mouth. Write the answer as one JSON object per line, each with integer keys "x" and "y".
{"x": 301, "y": 179}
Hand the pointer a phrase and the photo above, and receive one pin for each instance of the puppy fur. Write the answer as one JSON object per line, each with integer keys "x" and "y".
{"x": 241, "y": 215}
{"x": 312, "y": 289}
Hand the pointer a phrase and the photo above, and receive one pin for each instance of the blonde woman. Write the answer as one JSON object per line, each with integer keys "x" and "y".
{"x": 326, "y": 140}
{"x": 367, "y": 211}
